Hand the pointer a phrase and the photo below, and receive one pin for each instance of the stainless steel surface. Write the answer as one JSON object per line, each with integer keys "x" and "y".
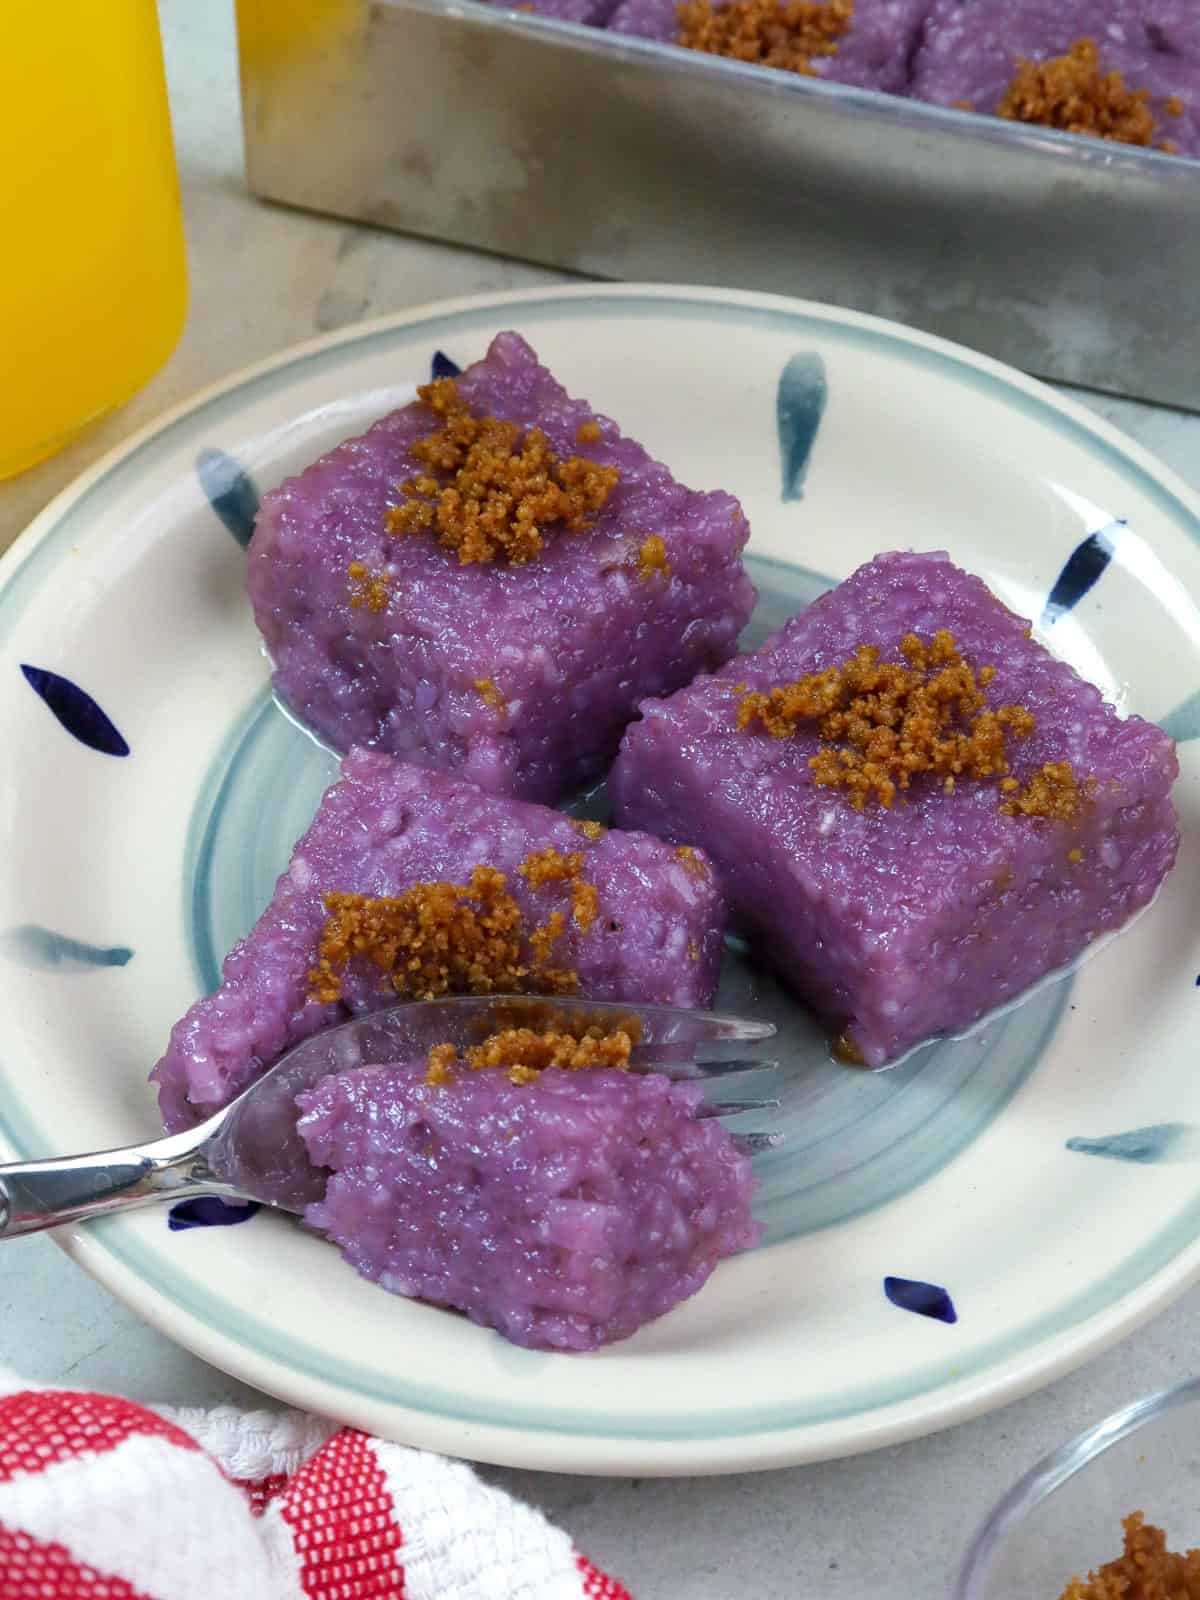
{"x": 45, "y": 1194}
{"x": 252, "y": 1151}
{"x": 1076, "y": 259}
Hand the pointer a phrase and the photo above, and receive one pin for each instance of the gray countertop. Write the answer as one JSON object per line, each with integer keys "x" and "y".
{"x": 889, "y": 1524}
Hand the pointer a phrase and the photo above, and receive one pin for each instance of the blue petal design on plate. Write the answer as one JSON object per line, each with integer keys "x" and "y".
{"x": 1084, "y": 569}
{"x": 1183, "y": 723}
{"x": 46, "y": 951}
{"x": 1163, "y": 1141}
{"x": 231, "y": 492}
{"x": 799, "y": 407}
{"x": 443, "y": 367}
{"x": 76, "y": 710}
{"x": 209, "y": 1212}
{"x": 926, "y": 1299}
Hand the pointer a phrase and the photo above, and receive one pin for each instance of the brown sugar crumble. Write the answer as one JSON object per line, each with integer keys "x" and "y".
{"x": 883, "y": 723}
{"x": 551, "y": 1016}
{"x": 1145, "y": 1570}
{"x": 585, "y": 905}
{"x": 1071, "y": 92}
{"x": 491, "y": 696}
{"x": 544, "y": 937}
{"x": 436, "y": 939}
{"x": 551, "y": 866}
{"x": 693, "y": 863}
{"x": 847, "y": 1052}
{"x": 1053, "y": 792}
{"x": 370, "y": 589}
{"x": 652, "y": 558}
{"x": 766, "y": 32}
{"x": 523, "y": 1054}
{"x": 491, "y": 488}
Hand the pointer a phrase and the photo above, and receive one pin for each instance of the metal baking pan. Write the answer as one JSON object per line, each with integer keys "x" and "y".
{"x": 624, "y": 158}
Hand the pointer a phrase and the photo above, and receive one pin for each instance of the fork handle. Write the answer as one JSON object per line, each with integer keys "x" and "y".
{"x": 45, "y": 1194}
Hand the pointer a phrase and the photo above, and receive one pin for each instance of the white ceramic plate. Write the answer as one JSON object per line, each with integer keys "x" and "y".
{"x": 127, "y": 877}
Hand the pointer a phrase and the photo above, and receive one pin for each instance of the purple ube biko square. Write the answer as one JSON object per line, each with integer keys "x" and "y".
{"x": 898, "y": 925}
{"x": 517, "y": 677}
{"x": 971, "y": 48}
{"x": 565, "y": 1213}
{"x": 655, "y": 934}
{"x": 872, "y": 54}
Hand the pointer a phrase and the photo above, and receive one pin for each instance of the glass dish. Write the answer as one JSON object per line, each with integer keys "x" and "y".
{"x": 1063, "y": 1519}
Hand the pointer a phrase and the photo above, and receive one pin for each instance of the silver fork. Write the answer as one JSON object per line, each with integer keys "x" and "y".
{"x": 252, "y": 1151}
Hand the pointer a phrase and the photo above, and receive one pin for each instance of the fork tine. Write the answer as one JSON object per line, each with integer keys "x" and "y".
{"x": 668, "y": 1033}
{"x": 739, "y": 1066}
{"x": 752, "y": 1144}
{"x": 734, "y": 1108}
{"x": 741, "y": 1028}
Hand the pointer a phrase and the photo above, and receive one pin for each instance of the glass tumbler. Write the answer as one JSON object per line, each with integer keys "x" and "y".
{"x": 93, "y": 277}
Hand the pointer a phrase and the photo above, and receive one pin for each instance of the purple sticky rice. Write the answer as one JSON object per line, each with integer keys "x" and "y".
{"x": 971, "y": 48}
{"x": 1173, "y": 27}
{"x": 564, "y": 1213}
{"x": 386, "y": 826}
{"x": 872, "y": 54}
{"x": 898, "y": 925}
{"x": 647, "y": 19}
{"x": 570, "y": 642}
{"x": 592, "y": 13}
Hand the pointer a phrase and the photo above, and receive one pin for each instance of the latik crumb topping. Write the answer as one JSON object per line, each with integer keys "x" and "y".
{"x": 588, "y": 432}
{"x": 589, "y": 829}
{"x": 551, "y": 1016}
{"x": 436, "y": 939}
{"x": 766, "y": 32}
{"x": 585, "y": 905}
{"x": 1072, "y": 93}
{"x": 441, "y": 1058}
{"x": 551, "y": 866}
{"x": 453, "y": 938}
{"x": 367, "y": 588}
{"x": 543, "y": 938}
{"x": 652, "y": 558}
{"x": 693, "y": 864}
{"x": 523, "y": 1054}
{"x": 1052, "y": 792}
{"x": 847, "y": 1052}
{"x": 1146, "y": 1570}
{"x": 883, "y": 723}
{"x": 491, "y": 696}
{"x": 492, "y": 489}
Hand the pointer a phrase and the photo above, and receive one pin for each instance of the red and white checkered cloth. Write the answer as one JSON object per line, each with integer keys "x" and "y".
{"x": 101, "y": 1499}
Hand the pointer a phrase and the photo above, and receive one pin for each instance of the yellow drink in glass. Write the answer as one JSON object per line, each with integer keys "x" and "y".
{"x": 93, "y": 277}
